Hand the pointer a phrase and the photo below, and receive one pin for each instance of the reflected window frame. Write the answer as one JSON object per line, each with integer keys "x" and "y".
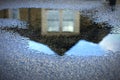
{"x": 75, "y": 22}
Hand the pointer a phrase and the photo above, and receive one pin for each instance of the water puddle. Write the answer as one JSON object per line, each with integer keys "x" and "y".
{"x": 111, "y": 42}
{"x": 84, "y": 48}
{"x": 40, "y": 47}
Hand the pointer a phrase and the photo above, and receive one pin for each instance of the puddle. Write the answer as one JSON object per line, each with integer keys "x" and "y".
{"x": 85, "y": 48}
{"x": 111, "y": 42}
{"x": 40, "y": 47}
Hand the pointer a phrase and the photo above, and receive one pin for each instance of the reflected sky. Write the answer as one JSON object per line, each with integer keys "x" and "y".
{"x": 111, "y": 42}
{"x": 85, "y": 48}
{"x": 40, "y": 47}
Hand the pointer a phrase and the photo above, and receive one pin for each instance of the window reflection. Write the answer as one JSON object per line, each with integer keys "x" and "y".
{"x": 53, "y": 20}
{"x": 53, "y": 26}
{"x": 60, "y": 20}
{"x": 68, "y": 21}
{"x": 14, "y": 13}
{"x": 68, "y": 26}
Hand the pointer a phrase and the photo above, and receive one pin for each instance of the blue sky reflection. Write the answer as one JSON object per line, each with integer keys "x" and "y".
{"x": 111, "y": 42}
{"x": 85, "y": 48}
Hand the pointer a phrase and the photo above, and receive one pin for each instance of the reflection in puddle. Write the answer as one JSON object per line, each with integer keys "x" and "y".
{"x": 40, "y": 47}
{"x": 85, "y": 48}
{"x": 60, "y": 29}
{"x": 111, "y": 42}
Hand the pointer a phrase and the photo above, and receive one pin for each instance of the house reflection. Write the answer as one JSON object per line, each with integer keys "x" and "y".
{"x": 59, "y": 29}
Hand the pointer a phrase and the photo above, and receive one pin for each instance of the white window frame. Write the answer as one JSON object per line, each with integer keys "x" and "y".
{"x": 44, "y": 28}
